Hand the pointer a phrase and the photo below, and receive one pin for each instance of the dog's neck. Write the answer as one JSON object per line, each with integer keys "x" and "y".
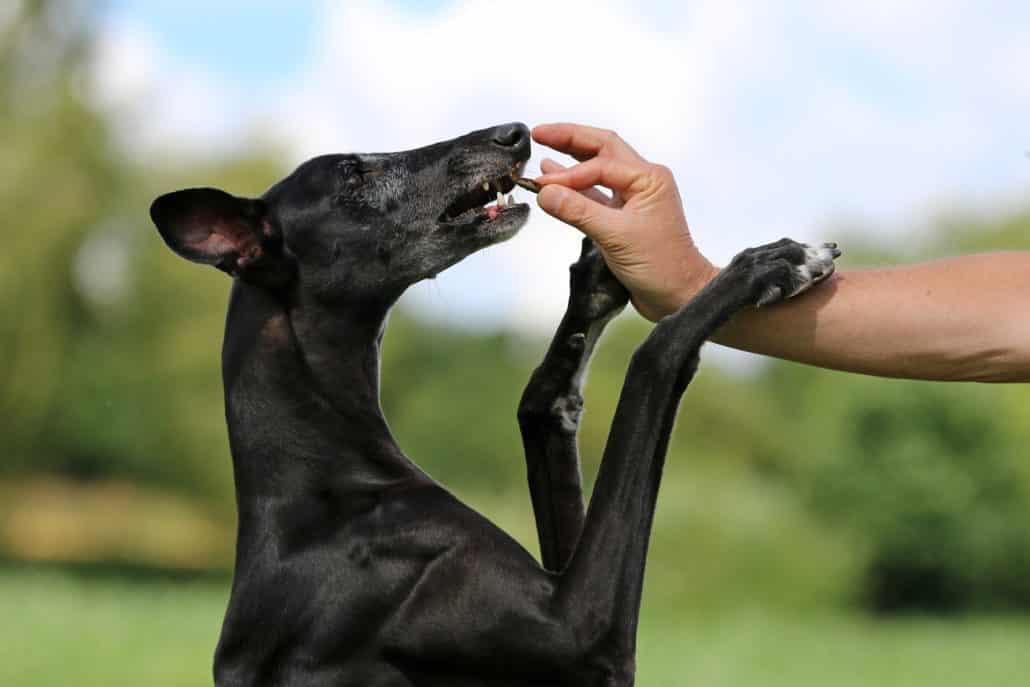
{"x": 302, "y": 402}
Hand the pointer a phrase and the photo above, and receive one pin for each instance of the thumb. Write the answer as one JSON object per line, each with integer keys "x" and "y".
{"x": 593, "y": 219}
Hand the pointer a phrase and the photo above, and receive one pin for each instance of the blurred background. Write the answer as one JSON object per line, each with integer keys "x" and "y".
{"x": 891, "y": 545}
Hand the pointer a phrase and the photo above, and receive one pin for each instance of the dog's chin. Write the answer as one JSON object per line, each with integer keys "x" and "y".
{"x": 506, "y": 224}
{"x": 476, "y": 234}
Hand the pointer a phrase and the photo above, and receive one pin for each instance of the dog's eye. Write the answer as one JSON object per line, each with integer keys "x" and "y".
{"x": 351, "y": 172}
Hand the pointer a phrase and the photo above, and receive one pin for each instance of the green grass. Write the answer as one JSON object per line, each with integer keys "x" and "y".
{"x": 833, "y": 651}
{"x": 64, "y": 630}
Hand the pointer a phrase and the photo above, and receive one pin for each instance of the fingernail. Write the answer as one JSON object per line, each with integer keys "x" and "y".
{"x": 552, "y": 161}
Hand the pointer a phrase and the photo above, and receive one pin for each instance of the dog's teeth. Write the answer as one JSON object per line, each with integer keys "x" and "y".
{"x": 511, "y": 200}
{"x": 486, "y": 185}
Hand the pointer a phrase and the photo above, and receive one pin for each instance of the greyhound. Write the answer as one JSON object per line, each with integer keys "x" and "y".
{"x": 355, "y": 568}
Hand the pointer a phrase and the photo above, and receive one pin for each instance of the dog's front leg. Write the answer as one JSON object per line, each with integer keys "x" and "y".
{"x": 552, "y": 402}
{"x": 482, "y": 606}
{"x": 600, "y": 590}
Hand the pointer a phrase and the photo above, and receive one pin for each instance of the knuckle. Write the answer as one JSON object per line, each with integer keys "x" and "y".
{"x": 577, "y": 210}
{"x": 661, "y": 172}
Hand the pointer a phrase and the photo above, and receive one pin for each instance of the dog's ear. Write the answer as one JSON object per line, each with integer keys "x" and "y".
{"x": 213, "y": 227}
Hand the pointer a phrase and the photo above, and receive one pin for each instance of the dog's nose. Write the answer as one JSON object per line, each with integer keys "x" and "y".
{"x": 513, "y": 136}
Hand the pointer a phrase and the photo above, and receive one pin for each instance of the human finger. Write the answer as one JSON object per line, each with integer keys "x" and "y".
{"x": 584, "y": 142}
{"x": 549, "y": 166}
{"x": 596, "y": 220}
{"x": 624, "y": 179}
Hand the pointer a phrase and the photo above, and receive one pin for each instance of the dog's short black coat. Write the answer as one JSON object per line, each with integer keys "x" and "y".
{"x": 353, "y": 567}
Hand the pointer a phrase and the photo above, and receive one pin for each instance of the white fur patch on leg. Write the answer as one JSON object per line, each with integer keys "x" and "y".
{"x": 568, "y": 409}
{"x": 818, "y": 266}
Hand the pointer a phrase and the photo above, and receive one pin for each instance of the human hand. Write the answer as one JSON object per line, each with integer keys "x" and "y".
{"x": 640, "y": 229}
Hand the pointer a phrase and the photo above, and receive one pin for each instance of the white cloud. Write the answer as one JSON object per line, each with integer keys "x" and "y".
{"x": 391, "y": 80}
{"x": 162, "y": 104}
{"x": 775, "y": 121}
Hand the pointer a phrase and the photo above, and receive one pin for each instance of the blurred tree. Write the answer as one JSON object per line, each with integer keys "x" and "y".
{"x": 934, "y": 478}
{"x": 57, "y": 173}
{"x": 780, "y": 481}
{"x": 101, "y": 373}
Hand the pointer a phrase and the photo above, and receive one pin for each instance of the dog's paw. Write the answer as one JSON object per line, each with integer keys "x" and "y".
{"x": 595, "y": 293}
{"x": 782, "y": 270}
{"x": 818, "y": 265}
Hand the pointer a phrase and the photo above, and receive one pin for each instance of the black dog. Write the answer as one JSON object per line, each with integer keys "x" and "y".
{"x": 353, "y": 567}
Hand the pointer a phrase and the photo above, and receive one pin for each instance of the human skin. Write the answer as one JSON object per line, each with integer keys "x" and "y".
{"x": 956, "y": 319}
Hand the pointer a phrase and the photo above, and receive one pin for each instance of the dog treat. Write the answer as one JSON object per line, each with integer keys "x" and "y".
{"x": 528, "y": 184}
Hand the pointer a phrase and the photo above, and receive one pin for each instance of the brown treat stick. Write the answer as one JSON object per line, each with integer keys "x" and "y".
{"x": 528, "y": 184}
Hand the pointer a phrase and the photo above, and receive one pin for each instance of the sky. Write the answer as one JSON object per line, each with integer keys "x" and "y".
{"x": 778, "y": 119}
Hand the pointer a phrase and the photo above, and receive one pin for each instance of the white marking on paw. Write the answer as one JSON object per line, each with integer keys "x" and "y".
{"x": 568, "y": 409}
{"x": 818, "y": 266}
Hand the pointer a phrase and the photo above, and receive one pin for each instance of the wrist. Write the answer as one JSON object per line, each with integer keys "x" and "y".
{"x": 690, "y": 281}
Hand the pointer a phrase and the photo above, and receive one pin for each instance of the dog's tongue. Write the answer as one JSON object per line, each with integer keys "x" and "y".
{"x": 492, "y": 211}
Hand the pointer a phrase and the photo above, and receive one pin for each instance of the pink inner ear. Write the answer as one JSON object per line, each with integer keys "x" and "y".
{"x": 217, "y": 244}
{"x": 215, "y": 237}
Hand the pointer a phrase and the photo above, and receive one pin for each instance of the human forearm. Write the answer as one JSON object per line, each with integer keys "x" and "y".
{"x": 955, "y": 319}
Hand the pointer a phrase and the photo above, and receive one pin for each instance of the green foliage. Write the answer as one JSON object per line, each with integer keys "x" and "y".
{"x": 450, "y": 397}
{"x": 932, "y": 480}
{"x": 790, "y": 487}
{"x": 931, "y": 477}
{"x": 56, "y": 171}
{"x": 108, "y": 347}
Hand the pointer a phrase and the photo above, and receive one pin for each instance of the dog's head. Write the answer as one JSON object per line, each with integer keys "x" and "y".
{"x": 341, "y": 226}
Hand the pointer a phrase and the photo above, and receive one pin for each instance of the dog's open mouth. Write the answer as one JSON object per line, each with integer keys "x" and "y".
{"x": 479, "y": 202}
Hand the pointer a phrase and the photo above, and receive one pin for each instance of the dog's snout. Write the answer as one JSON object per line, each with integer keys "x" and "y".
{"x": 512, "y": 136}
